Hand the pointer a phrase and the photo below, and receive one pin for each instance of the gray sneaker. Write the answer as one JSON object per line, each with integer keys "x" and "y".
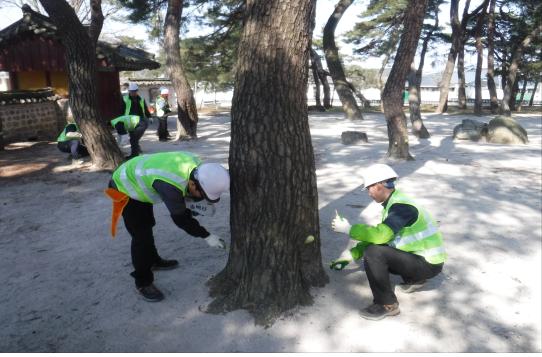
{"x": 150, "y": 293}
{"x": 378, "y": 312}
{"x": 411, "y": 287}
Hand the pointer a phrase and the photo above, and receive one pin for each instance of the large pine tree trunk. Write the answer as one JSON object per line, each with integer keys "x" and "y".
{"x": 494, "y": 101}
{"x": 393, "y": 91}
{"x": 334, "y": 64}
{"x": 512, "y": 71}
{"x": 81, "y": 66}
{"x": 187, "y": 116}
{"x": 274, "y": 198}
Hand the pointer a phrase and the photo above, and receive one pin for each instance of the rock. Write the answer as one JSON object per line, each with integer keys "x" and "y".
{"x": 352, "y": 137}
{"x": 505, "y": 130}
{"x": 470, "y": 129}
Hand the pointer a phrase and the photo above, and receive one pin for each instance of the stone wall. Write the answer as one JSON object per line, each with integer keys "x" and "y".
{"x": 30, "y": 121}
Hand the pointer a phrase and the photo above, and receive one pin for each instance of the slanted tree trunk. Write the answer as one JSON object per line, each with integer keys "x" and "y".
{"x": 393, "y": 98}
{"x": 334, "y": 64}
{"x": 393, "y": 44}
{"x": 522, "y": 94}
{"x": 274, "y": 198}
{"x": 479, "y": 59}
{"x": 512, "y": 71}
{"x": 80, "y": 52}
{"x": 531, "y": 101}
{"x": 316, "y": 79}
{"x": 494, "y": 101}
{"x": 418, "y": 129}
{"x": 187, "y": 115}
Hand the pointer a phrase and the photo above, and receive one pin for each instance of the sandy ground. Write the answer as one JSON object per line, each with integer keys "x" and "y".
{"x": 66, "y": 288}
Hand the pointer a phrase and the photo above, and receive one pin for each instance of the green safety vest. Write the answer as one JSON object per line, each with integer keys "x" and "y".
{"x": 160, "y": 106}
{"x": 128, "y": 104}
{"x": 421, "y": 238}
{"x": 129, "y": 121}
{"x": 136, "y": 176}
{"x": 62, "y": 137}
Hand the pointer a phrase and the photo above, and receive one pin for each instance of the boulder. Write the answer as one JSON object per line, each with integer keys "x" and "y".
{"x": 505, "y": 130}
{"x": 470, "y": 129}
{"x": 352, "y": 137}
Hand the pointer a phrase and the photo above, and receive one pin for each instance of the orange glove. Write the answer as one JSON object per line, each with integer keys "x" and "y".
{"x": 120, "y": 200}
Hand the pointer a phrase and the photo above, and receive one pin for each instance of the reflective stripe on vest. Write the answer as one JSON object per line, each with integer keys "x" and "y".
{"x": 135, "y": 177}
{"x": 128, "y": 104}
{"x": 422, "y": 237}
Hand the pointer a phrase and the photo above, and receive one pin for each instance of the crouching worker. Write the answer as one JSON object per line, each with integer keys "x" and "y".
{"x": 70, "y": 141}
{"x": 406, "y": 243}
{"x": 182, "y": 182}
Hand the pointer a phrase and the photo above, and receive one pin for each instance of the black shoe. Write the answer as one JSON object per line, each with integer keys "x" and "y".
{"x": 410, "y": 287}
{"x": 150, "y": 293}
{"x": 378, "y": 312}
{"x": 164, "y": 264}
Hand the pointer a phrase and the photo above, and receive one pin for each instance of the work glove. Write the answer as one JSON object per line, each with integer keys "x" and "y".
{"x": 215, "y": 242}
{"x": 342, "y": 261}
{"x": 123, "y": 139}
{"x": 340, "y": 224}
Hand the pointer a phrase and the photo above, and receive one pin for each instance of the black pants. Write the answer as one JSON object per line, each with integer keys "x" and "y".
{"x": 74, "y": 147}
{"x": 139, "y": 220}
{"x": 135, "y": 135}
{"x": 163, "y": 134}
{"x": 381, "y": 260}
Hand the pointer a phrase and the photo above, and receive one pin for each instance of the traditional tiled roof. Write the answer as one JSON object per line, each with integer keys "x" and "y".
{"x": 27, "y": 96}
{"x": 118, "y": 56}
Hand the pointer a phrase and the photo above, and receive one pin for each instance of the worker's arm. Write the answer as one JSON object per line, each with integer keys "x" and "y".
{"x": 399, "y": 216}
{"x": 174, "y": 200}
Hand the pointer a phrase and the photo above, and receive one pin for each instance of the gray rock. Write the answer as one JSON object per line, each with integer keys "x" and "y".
{"x": 470, "y": 129}
{"x": 352, "y": 137}
{"x": 505, "y": 130}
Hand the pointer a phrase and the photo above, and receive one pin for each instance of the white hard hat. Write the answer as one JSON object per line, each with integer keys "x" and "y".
{"x": 377, "y": 173}
{"x": 133, "y": 86}
{"x": 164, "y": 91}
{"x": 213, "y": 179}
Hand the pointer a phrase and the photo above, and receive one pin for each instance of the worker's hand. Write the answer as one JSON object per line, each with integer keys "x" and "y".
{"x": 340, "y": 224}
{"x": 215, "y": 242}
{"x": 342, "y": 261}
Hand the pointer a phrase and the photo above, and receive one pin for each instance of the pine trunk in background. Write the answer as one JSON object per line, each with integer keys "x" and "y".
{"x": 418, "y": 129}
{"x": 479, "y": 59}
{"x": 494, "y": 101}
{"x": 393, "y": 91}
{"x": 350, "y": 107}
{"x": 522, "y": 94}
{"x": 511, "y": 80}
{"x": 461, "y": 92}
{"x": 187, "y": 116}
{"x": 80, "y": 51}
{"x": 316, "y": 79}
{"x": 531, "y": 101}
{"x": 274, "y": 199}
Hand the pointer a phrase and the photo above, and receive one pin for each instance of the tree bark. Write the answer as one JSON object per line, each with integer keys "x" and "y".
{"x": 393, "y": 99}
{"x": 81, "y": 66}
{"x": 274, "y": 198}
{"x": 187, "y": 115}
{"x": 512, "y": 71}
{"x": 494, "y": 102}
{"x": 522, "y": 95}
{"x": 334, "y": 64}
{"x": 461, "y": 93}
{"x": 395, "y": 38}
{"x": 479, "y": 60}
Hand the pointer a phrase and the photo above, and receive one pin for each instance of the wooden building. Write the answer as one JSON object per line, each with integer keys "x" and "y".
{"x": 32, "y": 54}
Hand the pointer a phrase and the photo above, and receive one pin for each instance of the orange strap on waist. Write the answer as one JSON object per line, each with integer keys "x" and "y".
{"x": 120, "y": 200}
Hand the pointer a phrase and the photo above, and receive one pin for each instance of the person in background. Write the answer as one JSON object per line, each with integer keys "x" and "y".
{"x": 162, "y": 111}
{"x": 129, "y": 126}
{"x": 178, "y": 179}
{"x": 70, "y": 140}
{"x": 407, "y": 243}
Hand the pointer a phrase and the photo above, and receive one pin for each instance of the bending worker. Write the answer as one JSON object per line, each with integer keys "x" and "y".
{"x": 178, "y": 179}
{"x": 134, "y": 120}
{"x": 406, "y": 243}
